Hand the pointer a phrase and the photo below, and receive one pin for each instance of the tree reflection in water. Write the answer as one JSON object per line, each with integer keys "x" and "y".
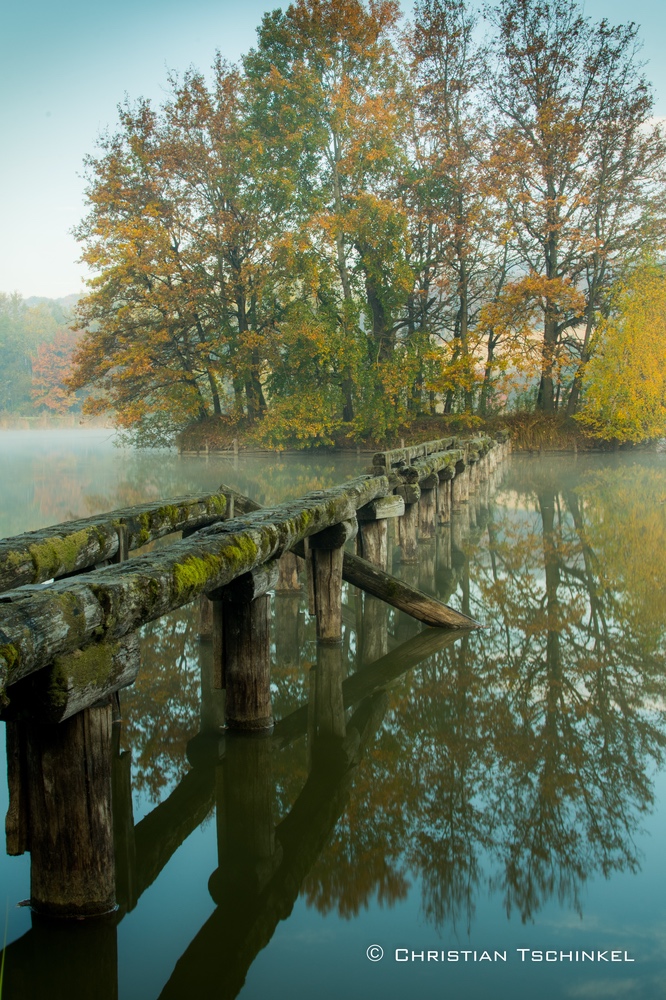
{"x": 517, "y": 760}
{"x": 521, "y": 757}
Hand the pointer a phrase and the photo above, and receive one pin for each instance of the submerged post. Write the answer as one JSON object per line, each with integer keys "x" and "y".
{"x": 70, "y": 833}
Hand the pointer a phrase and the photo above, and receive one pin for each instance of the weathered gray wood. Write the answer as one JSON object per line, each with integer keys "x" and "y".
{"x": 407, "y": 532}
{"x": 75, "y": 681}
{"x": 444, "y": 502}
{"x": 289, "y": 573}
{"x": 71, "y": 825}
{"x": 205, "y": 618}
{"x": 327, "y": 565}
{"x": 384, "y": 507}
{"x": 399, "y": 595}
{"x": 309, "y": 577}
{"x": 250, "y": 585}
{"x": 336, "y": 536}
{"x": 374, "y": 542}
{"x": 397, "y": 456}
{"x": 427, "y": 514}
{"x": 410, "y": 494}
{"x": 62, "y": 549}
{"x": 38, "y": 625}
{"x": 247, "y": 663}
{"x": 460, "y": 489}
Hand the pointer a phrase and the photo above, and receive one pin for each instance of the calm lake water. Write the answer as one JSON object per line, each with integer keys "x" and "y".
{"x": 479, "y": 802}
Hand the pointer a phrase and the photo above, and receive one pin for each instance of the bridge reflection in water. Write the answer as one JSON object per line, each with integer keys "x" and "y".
{"x": 517, "y": 760}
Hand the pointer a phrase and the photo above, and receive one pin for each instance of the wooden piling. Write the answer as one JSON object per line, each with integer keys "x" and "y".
{"x": 427, "y": 513}
{"x": 247, "y": 674}
{"x": 373, "y": 537}
{"x": 69, "y": 768}
{"x": 407, "y": 533}
{"x": 328, "y": 553}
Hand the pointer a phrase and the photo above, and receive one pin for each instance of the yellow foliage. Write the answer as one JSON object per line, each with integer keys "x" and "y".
{"x": 625, "y": 380}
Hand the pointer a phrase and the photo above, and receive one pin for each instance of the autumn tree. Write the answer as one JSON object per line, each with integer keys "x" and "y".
{"x": 577, "y": 158}
{"x": 182, "y": 247}
{"x": 51, "y": 367}
{"x": 24, "y": 329}
{"x": 458, "y": 252}
{"x": 630, "y": 406}
{"x": 326, "y": 102}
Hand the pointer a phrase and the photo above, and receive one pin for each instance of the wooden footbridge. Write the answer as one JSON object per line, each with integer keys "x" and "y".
{"x": 71, "y": 602}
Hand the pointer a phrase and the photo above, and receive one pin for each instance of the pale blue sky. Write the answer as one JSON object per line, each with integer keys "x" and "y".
{"x": 64, "y": 66}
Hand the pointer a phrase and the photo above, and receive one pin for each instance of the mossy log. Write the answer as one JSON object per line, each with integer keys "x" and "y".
{"x": 67, "y": 548}
{"x": 406, "y": 456}
{"x": 390, "y": 506}
{"x": 75, "y": 681}
{"x": 400, "y": 595}
{"x": 37, "y": 625}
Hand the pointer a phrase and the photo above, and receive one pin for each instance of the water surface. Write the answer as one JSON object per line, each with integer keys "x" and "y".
{"x": 506, "y": 793}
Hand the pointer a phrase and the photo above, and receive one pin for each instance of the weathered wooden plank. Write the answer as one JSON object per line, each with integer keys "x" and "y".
{"x": 66, "y": 548}
{"x": 398, "y": 456}
{"x": 37, "y": 625}
{"x": 75, "y": 681}
{"x": 400, "y": 595}
{"x": 390, "y": 506}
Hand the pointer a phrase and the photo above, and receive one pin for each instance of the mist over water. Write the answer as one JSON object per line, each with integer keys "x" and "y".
{"x": 506, "y": 792}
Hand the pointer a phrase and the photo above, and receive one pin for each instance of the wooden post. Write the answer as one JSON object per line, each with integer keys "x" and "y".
{"x": 70, "y": 818}
{"x": 444, "y": 496}
{"x": 16, "y": 821}
{"x": 205, "y": 618}
{"x": 460, "y": 488}
{"x": 246, "y": 648}
{"x": 407, "y": 528}
{"x": 288, "y": 580}
{"x": 212, "y": 712}
{"x": 247, "y": 665}
{"x": 373, "y": 536}
{"x": 373, "y": 521}
{"x": 428, "y": 509}
{"x": 328, "y": 554}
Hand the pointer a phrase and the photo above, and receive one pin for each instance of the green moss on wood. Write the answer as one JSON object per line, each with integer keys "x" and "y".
{"x": 89, "y": 667}
{"x": 55, "y": 556}
{"x": 195, "y": 572}
{"x": 216, "y": 505}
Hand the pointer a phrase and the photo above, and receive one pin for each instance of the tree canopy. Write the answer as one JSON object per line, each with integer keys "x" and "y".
{"x": 368, "y": 221}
